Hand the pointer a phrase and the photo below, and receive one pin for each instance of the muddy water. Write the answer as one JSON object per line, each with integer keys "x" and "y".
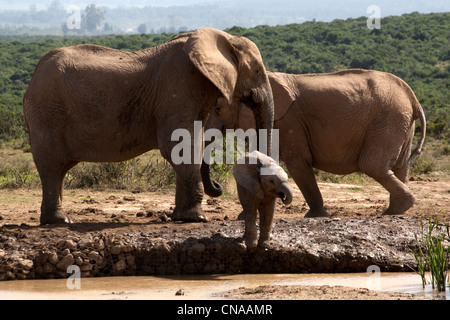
{"x": 201, "y": 287}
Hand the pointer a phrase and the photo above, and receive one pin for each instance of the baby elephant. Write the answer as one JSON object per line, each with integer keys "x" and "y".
{"x": 259, "y": 182}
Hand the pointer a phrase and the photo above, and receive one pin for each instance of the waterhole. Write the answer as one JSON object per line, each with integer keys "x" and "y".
{"x": 203, "y": 287}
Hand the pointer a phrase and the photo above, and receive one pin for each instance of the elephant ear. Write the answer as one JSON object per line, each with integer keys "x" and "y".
{"x": 247, "y": 176}
{"x": 213, "y": 54}
{"x": 282, "y": 95}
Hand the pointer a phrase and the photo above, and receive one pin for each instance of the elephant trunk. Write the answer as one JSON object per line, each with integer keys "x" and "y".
{"x": 212, "y": 188}
{"x": 263, "y": 109}
{"x": 285, "y": 193}
{"x": 264, "y": 117}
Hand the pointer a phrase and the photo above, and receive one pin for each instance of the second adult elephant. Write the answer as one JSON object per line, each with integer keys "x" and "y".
{"x": 91, "y": 103}
{"x": 341, "y": 122}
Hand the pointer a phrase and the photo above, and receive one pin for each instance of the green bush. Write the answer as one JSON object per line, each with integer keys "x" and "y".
{"x": 423, "y": 165}
{"x": 147, "y": 173}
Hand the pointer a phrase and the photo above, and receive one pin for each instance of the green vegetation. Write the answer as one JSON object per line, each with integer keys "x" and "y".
{"x": 414, "y": 46}
{"x": 431, "y": 255}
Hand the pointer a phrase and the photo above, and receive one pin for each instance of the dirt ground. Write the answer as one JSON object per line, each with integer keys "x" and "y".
{"x": 295, "y": 292}
{"x": 123, "y": 212}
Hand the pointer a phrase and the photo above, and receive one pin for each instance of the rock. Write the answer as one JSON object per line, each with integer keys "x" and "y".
{"x": 65, "y": 252}
{"x": 198, "y": 247}
{"x": 70, "y": 244}
{"x": 48, "y": 268}
{"x": 117, "y": 249}
{"x": 65, "y": 262}
{"x": 127, "y": 248}
{"x": 120, "y": 265}
{"x": 52, "y": 258}
{"x": 96, "y": 257}
{"x": 79, "y": 261}
{"x": 180, "y": 292}
{"x": 99, "y": 244}
{"x": 164, "y": 218}
{"x": 131, "y": 260}
{"x": 25, "y": 264}
{"x": 85, "y": 243}
{"x": 87, "y": 267}
{"x": 41, "y": 258}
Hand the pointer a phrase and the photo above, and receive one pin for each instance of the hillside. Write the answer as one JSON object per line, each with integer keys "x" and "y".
{"x": 415, "y": 47}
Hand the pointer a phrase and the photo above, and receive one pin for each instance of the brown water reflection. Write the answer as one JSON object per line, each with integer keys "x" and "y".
{"x": 201, "y": 287}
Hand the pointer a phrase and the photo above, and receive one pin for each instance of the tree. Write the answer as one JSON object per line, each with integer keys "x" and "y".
{"x": 92, "y": 18}
{"x": 142, "y": 28}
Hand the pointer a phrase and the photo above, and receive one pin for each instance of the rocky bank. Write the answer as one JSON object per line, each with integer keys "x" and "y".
{"x": 167, "y": 248}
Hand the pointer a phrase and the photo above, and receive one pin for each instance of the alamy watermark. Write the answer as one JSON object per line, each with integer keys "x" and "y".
{"x": 374, "y": 20}
{"x": 74, "y": 280}
{"x": 374, "y": 280}
{"x": 73, "y": 22}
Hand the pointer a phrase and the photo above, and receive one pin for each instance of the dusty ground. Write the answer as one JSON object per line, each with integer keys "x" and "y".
{"x": 354, "y": 221}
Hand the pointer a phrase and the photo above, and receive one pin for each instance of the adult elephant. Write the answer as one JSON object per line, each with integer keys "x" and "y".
{"x": 341, "y": 122}
{"x": 91, "y": 103}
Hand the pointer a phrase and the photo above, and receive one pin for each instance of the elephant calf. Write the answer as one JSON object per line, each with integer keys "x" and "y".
{"x": 259, "y": 182}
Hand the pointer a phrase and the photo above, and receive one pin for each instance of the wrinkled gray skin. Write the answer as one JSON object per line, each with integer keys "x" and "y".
{"x": 260, "y": 181}
{"x": 342, "y": 122}
{"x": 96, "y": 104}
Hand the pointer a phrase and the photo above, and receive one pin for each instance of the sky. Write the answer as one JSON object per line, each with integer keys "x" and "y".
{"x": 226, "y": 13}
{"x": 349, "y": 7}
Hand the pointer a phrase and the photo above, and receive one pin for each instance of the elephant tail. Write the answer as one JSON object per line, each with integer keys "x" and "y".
{"x": 212, "y": 188}
{"x": 419, "y": 114}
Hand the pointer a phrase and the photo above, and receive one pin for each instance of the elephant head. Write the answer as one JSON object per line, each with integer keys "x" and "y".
{"x": 259, "y": 182}
{"x": 239, "y": 115}
{"x": 263, "y": 177}
{"x": 234, "y": 64}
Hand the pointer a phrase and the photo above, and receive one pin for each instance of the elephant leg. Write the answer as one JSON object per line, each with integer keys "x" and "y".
{"x": 303, "y": 176}
{"x": 249, "y": 205}
{"x": 189, "y": 194}
{"x": 401, "y": 169}
{"x": 391, "y": 172}
{"x": 401, "y": 198}
{"x": 251, "y": 232}
{"x": 241, "y": 216}
{"x": 266, "y": 213}
{"x": 52, "y": 177}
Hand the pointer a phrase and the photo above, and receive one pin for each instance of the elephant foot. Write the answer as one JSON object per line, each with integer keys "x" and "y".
{"x": 193, "y": 215}
{"x": 55, "y": 218}
{"x": 317, "y": 213}
{"x": 251, "y": 238}
{"x": 400, "y": 205}
{"x": 264, "y": 244}
{"x": 241, "y": 216}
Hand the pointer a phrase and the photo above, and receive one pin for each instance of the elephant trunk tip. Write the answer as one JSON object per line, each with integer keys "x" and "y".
{"x": 285, "y": 198}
